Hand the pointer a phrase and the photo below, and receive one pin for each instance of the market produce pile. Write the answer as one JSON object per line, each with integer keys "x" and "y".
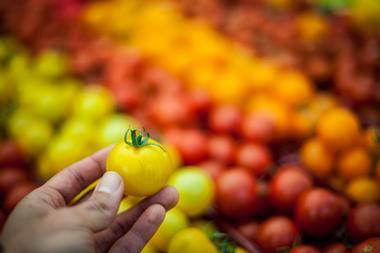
{"x": 268, "y": 110}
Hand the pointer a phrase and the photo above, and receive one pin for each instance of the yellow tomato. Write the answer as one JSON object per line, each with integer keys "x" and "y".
{"x": 125, "y": 204}
{"x": 143, "y": 163}
{"x": 371, "y": 137}
{"x": 354, "y": 162}
{"x": 149, "y": 249}
{"x": 195, "y": 188}
{"x": 338, "y": 128}
{"x": 317, "y": 158}
{"x": 364, "y": 190}
{"x": 311, "y": 27}
{"x": 174, "y": 221}
{"x": 191, "y": 240}
{"x": 240, "y": 250}
{"x": 174, "y": 155}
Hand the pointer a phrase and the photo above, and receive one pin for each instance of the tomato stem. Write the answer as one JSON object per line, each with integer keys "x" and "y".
{"x": 139, "y": 139}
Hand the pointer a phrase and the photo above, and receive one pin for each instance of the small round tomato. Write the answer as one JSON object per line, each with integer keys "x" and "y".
{"x": 191, "y": 144}
{"x": 368, "y": 246}
{"x": 50, "y": 64}
{"x": 364, "y": 222}
{"x": 191, "y": 240}
{"x": 236, "y": 192}
{"x": 305, "y": 249}
{"x": 9, "y": 177}
{"x": 11, "y": 155}
{"x": 318, "y": 212}
{"x": 212, "y": 168}
{"x": 337, "y": 247}
{"x": 277, "y": 232}
{"x": 225, "y": 119}
{"x": 317, "y": 158}
{"x": 287, "y": 185}
{"x": 249, "y": 230}
{"x": 142, "y": 162}
{"x": 200, "y": 102}
{"x": 174, "y": 222}
{"x": 195, "y": 188}
{"x": 330, "y": 130}
{"x": 18, "y": 192}
{"x": 364, "y": 190}
{"x": 258, "y": 127}
{"x": 222, "y": 148}
{"x": 255, "y": 157}
{"x": 354, "y": 162}
{"x": 263, "y": 206}
{"x": 79, "y": 128}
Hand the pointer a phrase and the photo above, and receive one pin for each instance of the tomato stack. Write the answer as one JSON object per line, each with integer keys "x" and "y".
{"x": 269, "y": 149}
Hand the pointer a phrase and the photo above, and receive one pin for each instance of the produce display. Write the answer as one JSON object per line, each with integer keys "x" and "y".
{"x": 264, "y": 115}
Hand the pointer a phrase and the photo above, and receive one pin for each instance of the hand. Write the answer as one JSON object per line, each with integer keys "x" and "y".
{"x": 44, "y": 223}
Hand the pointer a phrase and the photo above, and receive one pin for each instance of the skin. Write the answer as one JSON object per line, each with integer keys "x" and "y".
{"x": 43, "y": 221}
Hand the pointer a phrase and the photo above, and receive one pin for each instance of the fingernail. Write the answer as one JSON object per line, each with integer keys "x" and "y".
{"x": 109, "y": 183}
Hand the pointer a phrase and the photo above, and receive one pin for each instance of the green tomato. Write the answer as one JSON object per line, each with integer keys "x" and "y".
{"x": 50, "y": 64}
{"x": 64, "y": 151}
{"x": 113, "y": 128}
{"x": 332, "y": 5}
{"x": 175, "y": 220}
{"x": 33, "y": 134}
{"x": 94, "y": 102}
{"x": 196, "y": 190}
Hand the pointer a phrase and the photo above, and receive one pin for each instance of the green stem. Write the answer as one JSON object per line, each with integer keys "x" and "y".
{"x": 139, "y": 139}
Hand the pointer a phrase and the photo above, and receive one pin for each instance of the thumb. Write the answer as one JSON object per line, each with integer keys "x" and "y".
{"x": 100, "y": 210}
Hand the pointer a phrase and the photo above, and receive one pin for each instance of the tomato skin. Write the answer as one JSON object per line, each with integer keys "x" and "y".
{"x": 236, "y": 193}
{"x": 191, "y": 240}
{"x": 225, "y": 119}
{"x": 276, "y": 232}
{"x": 318, "y": 212}
{"x": 364, "y": 222}
{"x": 371, "y": 245}
{"x": 258, "y": 127}
{"x": 222, "y": 148}
{"x": 336, "y": 248}
{"x": 249, "y": 230}
{"x": 145, "y": 170}
{"x": 212, "y": 168}
{"x": 200, "y": 102}
{"x": 263, "y": 206}
{"x": 305, "y": 249}
{"x": 287, "y": 185}
{"x": 16, "y": 194}
{"x": 9, "y": 177}
{"x": 191, "y": 144}
{"x": 255, "y": 157}
{"x": 11, "y": 155}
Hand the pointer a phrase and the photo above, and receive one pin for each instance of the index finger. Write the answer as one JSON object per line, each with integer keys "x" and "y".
{"x": 73, "y": 179}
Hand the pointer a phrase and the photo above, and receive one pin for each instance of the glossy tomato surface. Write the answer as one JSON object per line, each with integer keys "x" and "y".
{"x": 364, "y": 222}
{"x": 255, "y": 157}
{"x": 305, "y": 249}
{"x": 336, "y": 248}
{"x": 371, "y": 245}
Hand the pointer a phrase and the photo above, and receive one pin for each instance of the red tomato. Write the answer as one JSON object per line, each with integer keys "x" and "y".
{"x": 364, "y": 222}
{"x": 11, "y": 155}
{"x": 337, "y": 247}
{"x": 17, "y": 193}
{"x": 212, "y": 167}
{"x": 222, "y": 148}
{"x": 9, "y": 177}
{"x": 200, "y": 102}
{"x": 225, "y": 119}
{"x": 236, "y": 193}
{"x": 318, "y": 212}
{"x": 249, "y": 230}
{"x": 258, "y": 127}
{"x": 170, "y": 110}
{"x": 305, "y": 249}
{"x": 126, "y": 95}
{"x": 255, "y": 157}
{"x": 191, "y": 144}
{"x": 275, "y": 233}
{"x": 287, "y": 185}
{"x": 263, "y": 207}
{"x": 368, "y": 246}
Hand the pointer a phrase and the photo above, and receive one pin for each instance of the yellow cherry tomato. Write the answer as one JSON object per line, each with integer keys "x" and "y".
{"x": 175, "y": 220}
{"x": 149, "y": 249}
{"x": 240, "y": 250}
{"x": 191, "y": 240}
{"x": 125, "y": 204}
{"x": 143, "y": 163}
{"x": 195, "y": 188}
{"x": 355, "y": 162}
{"x": 364, "y": 190}
{"x": 317, "y": 157}
{"x": 338, "y": 128}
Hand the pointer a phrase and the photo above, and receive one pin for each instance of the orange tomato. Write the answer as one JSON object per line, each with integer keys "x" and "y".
{"x": 364, "y": 190}
{"x": 317, "y": 157}
{"x": 338, "y": 128}
{"x": 354, "y": 162}
{"x": 371, "y": 136}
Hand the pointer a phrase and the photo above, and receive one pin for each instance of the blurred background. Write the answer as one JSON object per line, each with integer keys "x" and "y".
{"x": 270, "y": 109}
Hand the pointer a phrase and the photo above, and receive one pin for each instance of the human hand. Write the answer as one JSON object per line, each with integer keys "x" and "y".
{"x": 43, "y": 222}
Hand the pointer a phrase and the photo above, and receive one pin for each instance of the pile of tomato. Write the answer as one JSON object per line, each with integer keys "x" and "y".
{"x": 266, "y": 147}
